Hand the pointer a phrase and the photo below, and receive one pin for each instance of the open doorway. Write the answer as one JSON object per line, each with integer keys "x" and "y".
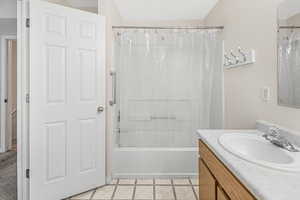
{"x": 8, "y": 148}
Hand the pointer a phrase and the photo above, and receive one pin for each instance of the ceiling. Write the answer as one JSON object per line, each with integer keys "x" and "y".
{"x": 83, "y": 3}
{"x": 164, "y": 9}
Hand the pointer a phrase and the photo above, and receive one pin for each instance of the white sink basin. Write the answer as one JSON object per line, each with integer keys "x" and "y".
{"x": 254, "y": 148}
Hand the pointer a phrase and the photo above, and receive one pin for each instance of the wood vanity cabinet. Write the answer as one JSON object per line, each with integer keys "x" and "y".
{"x": 221, "y": 194}
{"x": 207, "y": 183}
{"x": 216, "y": 182}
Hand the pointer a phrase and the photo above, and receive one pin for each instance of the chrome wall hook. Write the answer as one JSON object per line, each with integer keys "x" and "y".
{"x": 243, "y": 58}
{"x": 243, "y": 54}
{"x": 228, "y": 60}
{"x": 236, "y": 58}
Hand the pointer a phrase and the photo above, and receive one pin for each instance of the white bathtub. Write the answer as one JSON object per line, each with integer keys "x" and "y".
{"x": 155, "y": 162}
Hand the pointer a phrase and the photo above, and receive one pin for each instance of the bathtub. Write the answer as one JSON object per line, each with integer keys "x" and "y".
{"x": 154, "y": 162}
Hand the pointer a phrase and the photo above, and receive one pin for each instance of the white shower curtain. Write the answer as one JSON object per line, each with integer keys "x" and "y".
{"x": 289, "y": 67}
{"x": 170, "y": 83}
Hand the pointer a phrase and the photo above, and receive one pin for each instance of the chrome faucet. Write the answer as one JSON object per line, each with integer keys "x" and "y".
{"x": 277, "y": 139}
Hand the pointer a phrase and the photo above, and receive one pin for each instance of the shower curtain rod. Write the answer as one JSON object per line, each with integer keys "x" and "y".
{"x": 169, "y": 27}
{"x": 288, "y": 27}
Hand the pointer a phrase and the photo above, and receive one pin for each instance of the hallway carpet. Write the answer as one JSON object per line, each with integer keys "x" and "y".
{"x": 8, "y": 176}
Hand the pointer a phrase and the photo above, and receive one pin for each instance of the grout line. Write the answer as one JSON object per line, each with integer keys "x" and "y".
{"x": 153, "y": 184}
{"x": 136, "y": 184}
{"x": 134, "y": 189}
{"x": 173, "y": 188}
{"x": 115, "y": 189}
{"x": 97, "y": 189}
{"x": 154, "y": 191}
{"x": 94, "y": 193}
{"x": 163, "y": 184}
{"x": 190, "y": 182}
{"x": 193, "y": 189}
{"x": 184, "y": 185}
{"x": 79, "y": 194}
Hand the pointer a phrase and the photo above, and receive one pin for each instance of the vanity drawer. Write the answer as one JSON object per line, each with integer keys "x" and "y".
{"x": 231, "y": 185}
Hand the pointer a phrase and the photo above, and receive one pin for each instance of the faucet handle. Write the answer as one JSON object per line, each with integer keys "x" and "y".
{"x": 276, "y": 138}
{"x": 292, "y": 148}
{"x": 274, "y": 131}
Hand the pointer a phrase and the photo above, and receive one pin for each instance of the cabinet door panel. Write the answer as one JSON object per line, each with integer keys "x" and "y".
{"x": 207, "y": 183}
{"x": 221, "y": 195}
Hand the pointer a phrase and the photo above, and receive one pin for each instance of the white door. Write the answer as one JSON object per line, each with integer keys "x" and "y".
{"x": 67, "y": 95}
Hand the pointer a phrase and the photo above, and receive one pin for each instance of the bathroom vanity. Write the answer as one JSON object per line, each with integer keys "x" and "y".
{"x": 226, "y": 176}
{"x": 216, "y": 180}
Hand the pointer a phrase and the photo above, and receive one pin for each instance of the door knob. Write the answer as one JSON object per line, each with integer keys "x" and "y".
{"x": 100, "y": 109}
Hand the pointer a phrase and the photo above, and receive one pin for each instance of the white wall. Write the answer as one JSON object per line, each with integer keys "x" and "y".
{"x": 8, "y": 26}
{"x": 252, "y": 24}
{"x": 74, "y": 5}
{"x": 164, "y": 9}
{"x": 162, "y": 23}
{"x": 60, "y": 2}
{"x": 8, "y": 9}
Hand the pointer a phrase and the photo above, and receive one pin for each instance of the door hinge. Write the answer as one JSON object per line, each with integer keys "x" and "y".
{"x": 27, "y": 22}
{"x": 27, "y": 98}
{"x": 27, "y": 173}
{"x": 119, "y": 116}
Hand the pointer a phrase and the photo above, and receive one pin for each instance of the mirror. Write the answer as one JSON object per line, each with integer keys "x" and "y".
{"x": 289, "y": 53}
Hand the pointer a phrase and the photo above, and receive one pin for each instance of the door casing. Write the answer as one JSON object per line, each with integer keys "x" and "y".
{"x": 22, "y": 105}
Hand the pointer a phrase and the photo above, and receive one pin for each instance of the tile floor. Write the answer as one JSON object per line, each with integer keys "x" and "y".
{"x": 144, "y": 189}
